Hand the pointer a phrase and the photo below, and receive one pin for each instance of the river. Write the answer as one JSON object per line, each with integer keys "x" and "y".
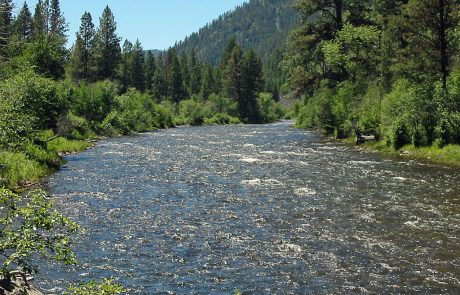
{"x": 266, "y": 209}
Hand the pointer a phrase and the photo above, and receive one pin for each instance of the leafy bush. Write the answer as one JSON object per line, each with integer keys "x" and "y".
{"x": 270, "y": 110}
{"x": 30, "y": 226}
{"x": 106, "y": 287}
{"x": 94, "y": 101}
{"x": 221, "y": 119}
{"x": 191, "y": 113}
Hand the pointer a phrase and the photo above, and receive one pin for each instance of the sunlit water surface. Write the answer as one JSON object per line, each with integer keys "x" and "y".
{"x": 265, "y": 209}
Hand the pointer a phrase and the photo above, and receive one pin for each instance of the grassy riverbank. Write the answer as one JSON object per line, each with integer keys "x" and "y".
{"x": 447, "y": 155}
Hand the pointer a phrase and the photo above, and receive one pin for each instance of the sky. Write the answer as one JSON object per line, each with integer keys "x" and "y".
{"x": 158, "y": 24}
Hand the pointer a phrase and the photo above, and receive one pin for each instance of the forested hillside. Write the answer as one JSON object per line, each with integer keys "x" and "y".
{"x": 259, "y": 24}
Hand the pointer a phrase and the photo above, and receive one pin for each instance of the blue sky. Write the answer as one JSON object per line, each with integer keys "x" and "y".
{"x": 158, "y": 24}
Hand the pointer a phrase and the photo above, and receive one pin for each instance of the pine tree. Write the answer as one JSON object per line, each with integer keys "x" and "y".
{"x": 137, "y": 67}
{"x": 58, "y": 26}
{"x": 24, "y": 23}
{"x": 6, "y": 25}
{"x": 232, "y": 74}
{"x": 251, "y": 72}
{"x": 150, "y": 68}
{"x": 429, "y": 25}
{"x": 195, "y": 74}
{"x": 107, "y": 46}
{"x": 209, "y": 83}
{"x": 125, "y": 65}
{"x": 175, "y": 82}
{"x": 40, "y": 20}
{"x": 160, "y": 85}
{"x": 86, "y": 34}
{"x": 185, "y": 71}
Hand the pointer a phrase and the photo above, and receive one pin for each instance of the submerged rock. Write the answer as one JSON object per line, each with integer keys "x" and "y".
{"x": 20, "y": 285}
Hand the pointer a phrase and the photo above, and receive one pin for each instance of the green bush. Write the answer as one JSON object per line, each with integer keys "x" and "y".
{"x": 221, "y": 119}
{"x": 190, "y": 113}
{"x": 269, "y": 109}
{"x": 31, "y": 227}
{"x": 94, "y": 101}
{"x": 106, "y": 287}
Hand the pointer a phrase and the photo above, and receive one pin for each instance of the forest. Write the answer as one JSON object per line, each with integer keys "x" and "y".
{"x": 389, "y": 69}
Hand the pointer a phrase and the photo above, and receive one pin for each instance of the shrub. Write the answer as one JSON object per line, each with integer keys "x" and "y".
{"x": 191, "y": 113}
{"x": 30, "y": 227}
{"x": 106, "y": 287}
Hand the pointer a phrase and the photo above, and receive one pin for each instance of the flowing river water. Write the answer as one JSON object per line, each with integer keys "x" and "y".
{"x": 266, "y": 209}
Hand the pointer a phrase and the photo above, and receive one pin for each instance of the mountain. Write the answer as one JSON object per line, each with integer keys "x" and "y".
{"x": 259, "y": 24}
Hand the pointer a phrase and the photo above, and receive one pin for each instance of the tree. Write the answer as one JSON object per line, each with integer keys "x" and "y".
{"x": 57, "y": 24}
{"x": 185, "y": 71}
{"x": 209, "y": 84}
{"x": 175, "y": 82}
{"x": 40, "y": 23}
{"x": 195, "y": 74}
{"x": 107, "y": 46}
{"x": 83, "y": 50}
{"x": 125, "y": 64}
{"x": 232, "y": 75}
{"x": 6, "y": 25}
{"x": 251, "y": 72}
{"x": 150, "y": 68}
{"x": 24, "y": 23}
{"x": 429, "y": 25}
{"x": 137, "y": 66}
{"x": 160, "y": 85}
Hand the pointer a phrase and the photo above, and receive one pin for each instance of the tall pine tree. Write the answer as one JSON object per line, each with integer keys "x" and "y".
{"x": 107, "y": 46}
{"x": 150, "y": 68}
{"x": 137, "y": 67}
{"x": 6, "y": 25}
{"x": 24, "y": 23}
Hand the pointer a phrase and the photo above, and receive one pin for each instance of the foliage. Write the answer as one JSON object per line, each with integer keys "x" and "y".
{"x": 191, "y": 113}
{"x": 31, "y": 226}
{"x": 106, "y": 287}
{"x": 17, "y": 169}
{"x": 269, "y": 109}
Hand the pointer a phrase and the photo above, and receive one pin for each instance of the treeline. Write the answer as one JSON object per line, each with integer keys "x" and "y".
{"x": 386, "y": 68}
{"x": 259, "y": 24}
{"x": 51, "y": 98}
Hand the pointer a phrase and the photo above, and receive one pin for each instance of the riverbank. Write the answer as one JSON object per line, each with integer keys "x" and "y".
{"x": 448, "y": 155}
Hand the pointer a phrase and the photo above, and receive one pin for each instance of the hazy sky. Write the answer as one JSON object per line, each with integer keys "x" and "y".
{"x": 158, "y": 24}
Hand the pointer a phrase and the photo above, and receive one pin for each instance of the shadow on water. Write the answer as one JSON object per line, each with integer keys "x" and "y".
{"x": 265, "y": 209}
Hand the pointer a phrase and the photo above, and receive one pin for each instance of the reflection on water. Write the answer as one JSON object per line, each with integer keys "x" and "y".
{"x": 265, "y": 209}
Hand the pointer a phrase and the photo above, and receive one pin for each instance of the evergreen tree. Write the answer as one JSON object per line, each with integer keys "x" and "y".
{"x": 430, "y": 25}
{"x": 125, "y": 65}
{"x": 107, "y": 46}
{"x": 160, "y": 85}
{"x": 251, "y": 71}
{"x": 137, "y": 66}
{"x": 57, "y": 24}
{"x": 185, "y": 70}
{"x": 24, "y": 23}
{"x": 6, "y": 25}
{"x": 175, "y": 83}
{"x": 209, "y": 84}
{"x": 40, "y": 20}
{"x": 150, "y": 68}
{"x": 195, "y": 74}
{"x": 232, "y": 74}
{"x": 86, "y": 37}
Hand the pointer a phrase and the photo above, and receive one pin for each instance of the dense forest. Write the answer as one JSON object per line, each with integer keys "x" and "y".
{"x": 384, "y": 68}
{"x": 259, "y": 24}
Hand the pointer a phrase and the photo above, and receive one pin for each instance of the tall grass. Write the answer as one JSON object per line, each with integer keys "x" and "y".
{"x": 16, "y": 169}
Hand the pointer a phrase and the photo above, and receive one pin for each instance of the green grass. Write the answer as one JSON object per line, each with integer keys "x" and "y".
{"x": 64, "y": 145}
{"x": 17, "y": 169}
{"x": 448, "y": 155}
